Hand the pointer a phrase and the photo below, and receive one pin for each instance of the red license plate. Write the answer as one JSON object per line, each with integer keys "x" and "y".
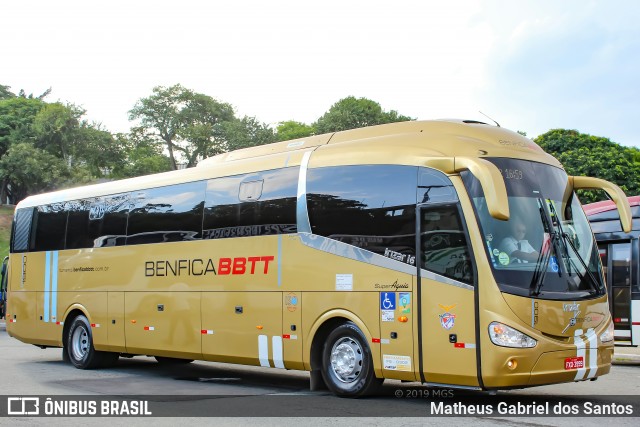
{"x": 574, "y": 363}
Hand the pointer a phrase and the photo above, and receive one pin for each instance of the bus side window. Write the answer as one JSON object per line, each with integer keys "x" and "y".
{"x": 167, "y": 214}
{"x": 368, "y": 206}
{"x": 77, "y": 226}
{"x": 254, "y": 204}
{"x": 50, "y": 223}
{"x": 22, "y": 230}
{"x": 444, "y": 245}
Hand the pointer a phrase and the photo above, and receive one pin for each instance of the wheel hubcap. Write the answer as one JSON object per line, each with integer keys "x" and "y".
{"x": 79, "y": 343}
{"x": 346, "y": 359}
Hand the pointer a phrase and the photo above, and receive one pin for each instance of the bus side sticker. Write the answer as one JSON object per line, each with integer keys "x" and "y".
{"x": 396, "y": 363}
{"x": 344, "y": 282}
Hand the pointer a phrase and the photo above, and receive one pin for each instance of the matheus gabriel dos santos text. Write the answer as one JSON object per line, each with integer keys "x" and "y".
{"x": 530, "y": 408}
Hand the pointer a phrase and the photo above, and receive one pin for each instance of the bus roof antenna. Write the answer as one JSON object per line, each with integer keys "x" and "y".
{"x": 497, "y": 124}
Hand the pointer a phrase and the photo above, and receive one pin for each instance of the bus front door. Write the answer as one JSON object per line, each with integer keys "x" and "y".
{"x": 447, "y": 340}
{"x": 616, "y": 258}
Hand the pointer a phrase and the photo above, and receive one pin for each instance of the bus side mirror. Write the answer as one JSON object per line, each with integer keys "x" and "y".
{"x": 616, "y": 194}
{"x": 495, "y": 192}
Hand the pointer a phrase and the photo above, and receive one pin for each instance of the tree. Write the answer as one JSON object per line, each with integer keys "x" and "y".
{"x": 583, "y": 154}
{"x": 25, "y": 170}
{"x": 352, "y": 113}
{"x": 142, "y": 156}
{"x": 55, "y": 127}
{"x": 293, "y": 130}
{"x": 183, "y": 121}
{"x": 245, "y": 132}
{"x": 5, "y": 93}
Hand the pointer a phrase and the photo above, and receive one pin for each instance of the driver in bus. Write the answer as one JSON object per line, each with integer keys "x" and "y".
{"x": 516, "y": 246}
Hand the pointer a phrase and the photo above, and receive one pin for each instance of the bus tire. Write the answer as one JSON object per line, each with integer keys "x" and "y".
{"x": 347, "y": 365}
{"x": 79, "y": 346}
{"x": 172, "y": 360}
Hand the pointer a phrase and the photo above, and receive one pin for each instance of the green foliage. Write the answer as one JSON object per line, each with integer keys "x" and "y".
{"x": 184, "y": 121}
{"x": 352, "y": 113}
{"x": 246, "y": 132}
{"x": 5, "y": 93}
{"x": 55, "y": 127}
{"x": 142, "y": 156}
{"x": 587, "y": 155}
{"x": 289, "y": 130}
{"x": 32, "y": 170}
{"x": 16, "y": 119}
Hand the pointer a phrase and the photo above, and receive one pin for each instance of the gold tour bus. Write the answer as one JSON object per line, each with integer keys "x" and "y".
{"x": 452, "y": 253}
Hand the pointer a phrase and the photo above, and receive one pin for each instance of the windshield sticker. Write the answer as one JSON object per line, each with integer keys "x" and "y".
{"x": 553, "y": 263}
{"x": 503, "y": 258}
{"x": 496, "y": 252}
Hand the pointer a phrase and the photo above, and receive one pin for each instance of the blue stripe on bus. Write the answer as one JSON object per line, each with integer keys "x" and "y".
{"x": 47, "y": 284}
{"x": 54, "y": 286}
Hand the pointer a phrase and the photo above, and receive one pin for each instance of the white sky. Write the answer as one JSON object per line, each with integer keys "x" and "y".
{"x": 531, "y": 65}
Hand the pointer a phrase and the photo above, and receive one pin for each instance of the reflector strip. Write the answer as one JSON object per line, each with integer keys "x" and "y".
{"x": 263, "y": 351}
{"x": 375, "y": 340}
{"x": 13, "y": 320}
{"x": 95, "y": 325}
{"x": 149, "y": 328}
{"x": 206, "y": 332}
{"x": 580, "y": 352}
{"x": 59, "y": 323}
{"x": 464, "y": 345}
{"x": 278, "y": 361}
{"x": 286, "y": 337}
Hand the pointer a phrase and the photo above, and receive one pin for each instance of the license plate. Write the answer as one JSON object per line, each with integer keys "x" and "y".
{"x": 574, "y": 363}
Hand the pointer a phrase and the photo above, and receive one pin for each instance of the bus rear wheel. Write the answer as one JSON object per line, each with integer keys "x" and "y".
{"x": 79, "y": 347}
{"x": 347, "y": 365}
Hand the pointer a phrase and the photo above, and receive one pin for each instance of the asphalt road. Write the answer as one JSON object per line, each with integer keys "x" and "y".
{"x": 233, "y": 395}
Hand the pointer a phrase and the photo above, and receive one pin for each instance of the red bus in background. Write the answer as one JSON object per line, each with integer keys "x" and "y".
{"x": 620, "y": 254}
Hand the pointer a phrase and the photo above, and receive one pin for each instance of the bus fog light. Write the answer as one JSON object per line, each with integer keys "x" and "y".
{"x": 512, "y": 364}
{"x": 506, "y": 336}
{"x": 608, "y": 334}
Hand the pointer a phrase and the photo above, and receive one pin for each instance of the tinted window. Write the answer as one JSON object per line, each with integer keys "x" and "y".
{"x": 369, "y": 206}
{"x": 252, "y": 204}
{"x": 98, "y": 222}
{"x": 167, "y": 214}
{"x": 50, "y": 224}
{"x": 22, "y": 227}
{"x": 78, "y": 223}
{"x": 444, "y": 244}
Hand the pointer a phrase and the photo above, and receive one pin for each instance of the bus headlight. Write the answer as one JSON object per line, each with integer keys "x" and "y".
{"x": 506, "y": 336}
{"x": 608, "y": 334}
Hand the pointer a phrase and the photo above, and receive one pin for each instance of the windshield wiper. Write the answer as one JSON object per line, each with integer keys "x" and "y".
{"x": 567, "y": 239}
{"x": 597, "y": 286}
{"x": 537, "y": 280}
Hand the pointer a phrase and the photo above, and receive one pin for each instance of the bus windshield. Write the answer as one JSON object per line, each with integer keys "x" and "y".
{"x": 546, "y": 249}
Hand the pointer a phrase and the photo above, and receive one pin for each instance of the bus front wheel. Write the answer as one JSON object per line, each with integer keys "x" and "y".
{"x": 79, "y": 347}
{"x": 347, "y": 365}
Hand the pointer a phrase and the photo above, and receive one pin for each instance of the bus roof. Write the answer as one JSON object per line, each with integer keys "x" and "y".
{"x": 607, "y": 205}
{"x": 407, "y": 143}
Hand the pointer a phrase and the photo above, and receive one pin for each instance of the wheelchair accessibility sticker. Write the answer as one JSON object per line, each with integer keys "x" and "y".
{"x": 388, "y": 306}
{"x": 387, "y": 300}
